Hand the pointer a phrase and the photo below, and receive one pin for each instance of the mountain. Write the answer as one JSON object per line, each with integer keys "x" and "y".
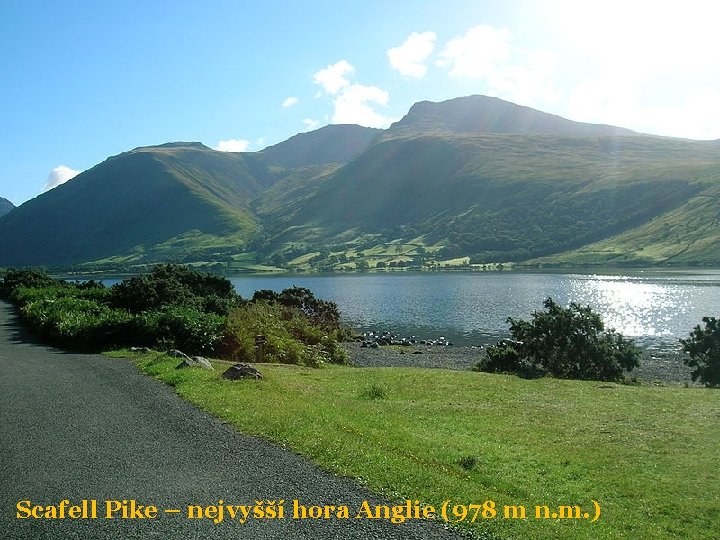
{"x": 483, "y": 114}
{"x": 142, "y": 201}
{"x": 5, "y": 206}
{"x": 474, "y": 177}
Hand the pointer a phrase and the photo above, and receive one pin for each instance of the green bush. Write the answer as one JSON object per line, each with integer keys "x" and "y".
{"x": 27, "y": 277}
{"x": 290, "y": 337}
{"x": 703, "y": 349}
{"x": 320, "y": 312}
{"x": 75, "y": 322}
{"x": 180, "y": 327}
{"x": 169, "y": 284}
{"x": 177, "y": 307}
{"x": 568, "y": 343}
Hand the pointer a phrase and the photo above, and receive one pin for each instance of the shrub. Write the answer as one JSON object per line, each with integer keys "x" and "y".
{"x": 290, "y": 337}
{"x": 320, "y": 312}
{"x": 169, "y": 284}
{"x": 568, "y": 343}
{"x": 28, "y": 277}
{"x": 75, "y": 322}
{"x": 181, "y": 327}
{"x": 703, "y": 349}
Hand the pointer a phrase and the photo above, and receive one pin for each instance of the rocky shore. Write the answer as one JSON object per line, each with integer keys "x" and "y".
{"x": 666, "y": 368}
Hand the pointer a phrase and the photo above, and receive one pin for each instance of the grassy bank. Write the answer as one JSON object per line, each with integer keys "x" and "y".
{"x": 648, "y": 455}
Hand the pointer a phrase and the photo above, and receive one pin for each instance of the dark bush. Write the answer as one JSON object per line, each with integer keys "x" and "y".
{"x": 568, "y": 343}
{"x": 27, "y": 277}
{"x": 170, "y": 284}
{"x": 703, "y": 349}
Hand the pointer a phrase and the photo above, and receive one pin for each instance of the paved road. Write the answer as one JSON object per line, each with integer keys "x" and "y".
{"x": 76, "y": 426}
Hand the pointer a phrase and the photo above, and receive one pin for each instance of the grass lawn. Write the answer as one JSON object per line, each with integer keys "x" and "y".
{"x": 649, "y": 456}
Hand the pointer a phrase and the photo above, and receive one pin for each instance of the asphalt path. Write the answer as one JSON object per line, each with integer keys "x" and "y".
{"x": 84, "y": 427}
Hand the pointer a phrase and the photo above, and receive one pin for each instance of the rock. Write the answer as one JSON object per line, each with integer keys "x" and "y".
{"x": 195, "y": 361}
{"x": 178, "y": 354}
{"x": 241, "y": 371}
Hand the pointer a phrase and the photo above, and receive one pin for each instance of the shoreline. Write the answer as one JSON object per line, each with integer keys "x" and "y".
{"x": 654, "y": 369}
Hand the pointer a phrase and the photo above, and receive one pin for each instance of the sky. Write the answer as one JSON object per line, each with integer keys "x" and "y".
{"x": 83, "y": 80}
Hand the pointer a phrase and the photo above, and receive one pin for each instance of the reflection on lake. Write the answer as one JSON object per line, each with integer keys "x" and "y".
{"x": 655, "y": 308}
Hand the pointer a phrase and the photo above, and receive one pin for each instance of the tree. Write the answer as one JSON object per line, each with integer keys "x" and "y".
{"x": 568, "y": 343}
{"x": 703, "y": 348}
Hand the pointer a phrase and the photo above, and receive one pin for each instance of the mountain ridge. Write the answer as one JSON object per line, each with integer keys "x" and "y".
{"x": 484, "y": 114}
{"x": 5, "y": 206}
{"x": 476, "y": 178}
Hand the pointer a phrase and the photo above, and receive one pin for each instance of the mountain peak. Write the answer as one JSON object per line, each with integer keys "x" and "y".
{"x": 485, "y": 114}
{"x": 179, "y": 145}
{"x": 5, "y": 206}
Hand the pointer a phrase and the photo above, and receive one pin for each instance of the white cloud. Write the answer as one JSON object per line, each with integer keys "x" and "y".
{"x": 332, "y": 78}
{"x": 289, "y": 102}
{"x": 353, "y": 106}
{"x": 487, "y": 54}
{"x": 59, "y": 175}
{"x": 647, "y": 65}
{"x": 479, "y": 53}
{"x": 232, "y": 145}
{"x": 695, "y": 118}
{"x": 353, "y": 103}
{"x": 532, "y": 82}
{"x": 310, "y": 124}
{"x": 409, "y": 58}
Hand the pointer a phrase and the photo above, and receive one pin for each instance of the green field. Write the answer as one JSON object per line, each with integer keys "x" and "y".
{"x": 648, "y": 455}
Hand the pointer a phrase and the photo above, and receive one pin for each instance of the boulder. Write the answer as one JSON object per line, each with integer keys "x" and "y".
{"x": 241, "y": 371}
{"x": 195, "y": 361}
{"x": 178, "y": 354}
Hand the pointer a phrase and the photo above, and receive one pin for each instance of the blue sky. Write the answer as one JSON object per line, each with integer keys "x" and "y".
{"x": 84, "y": 80}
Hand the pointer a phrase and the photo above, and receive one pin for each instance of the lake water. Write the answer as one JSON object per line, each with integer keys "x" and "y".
{"x": 655, "y": 308}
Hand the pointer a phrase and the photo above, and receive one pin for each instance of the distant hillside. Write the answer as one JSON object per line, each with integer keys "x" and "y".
{"x": 688, "y": 235}
{"x": 474, "y": 178}
{"x": 5, "y": 206}
{"x": 483, "y": 114}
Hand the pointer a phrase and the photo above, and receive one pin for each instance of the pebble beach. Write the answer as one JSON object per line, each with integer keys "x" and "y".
{"x": 659, "y": 369}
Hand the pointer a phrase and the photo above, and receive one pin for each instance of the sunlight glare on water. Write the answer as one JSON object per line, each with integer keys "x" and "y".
{"x": 633, "y": 307}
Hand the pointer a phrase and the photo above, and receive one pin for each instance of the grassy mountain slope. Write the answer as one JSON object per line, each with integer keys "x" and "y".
{"x": 5, "y": 206}
{"x": 330, "y": 144}
{"x": 133, "y": 203}
{"x": 688, "y": 235}
{"x": 502, "y": 196}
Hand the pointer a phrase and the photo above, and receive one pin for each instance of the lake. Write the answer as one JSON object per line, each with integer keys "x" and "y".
{"x": 656, "y": 308}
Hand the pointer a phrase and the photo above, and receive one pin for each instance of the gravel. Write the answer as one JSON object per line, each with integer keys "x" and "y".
{"x": 656, "y": 368}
